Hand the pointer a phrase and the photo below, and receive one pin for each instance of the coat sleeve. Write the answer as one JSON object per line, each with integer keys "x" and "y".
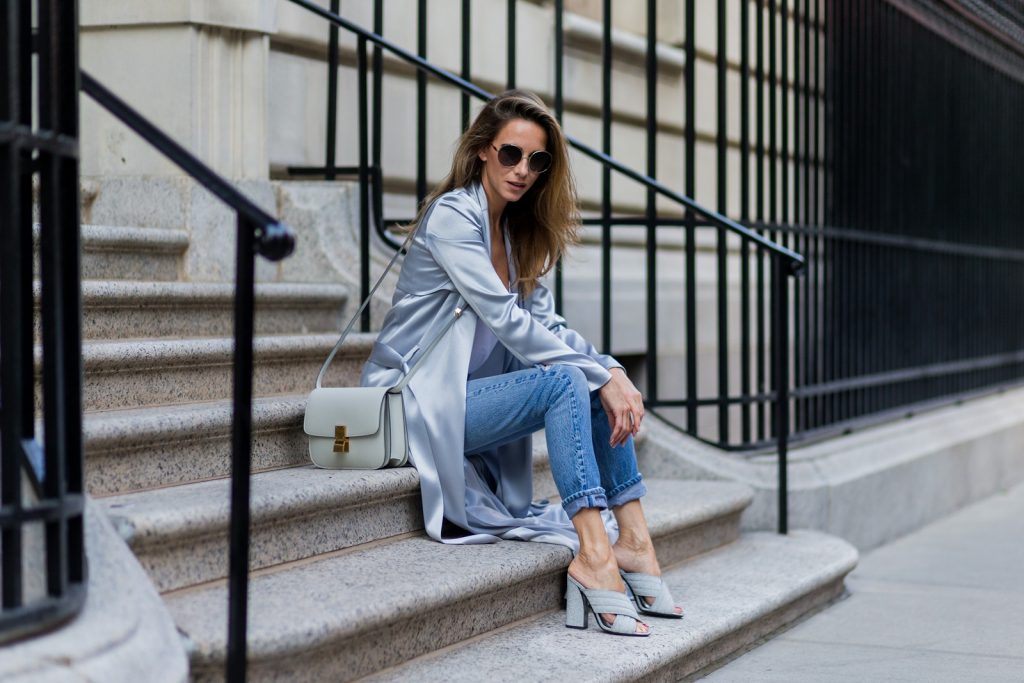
{"x": 542, "y": 307}
{"x": 454, "y": 236}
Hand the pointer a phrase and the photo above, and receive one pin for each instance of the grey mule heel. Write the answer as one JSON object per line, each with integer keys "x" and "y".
{"x": 649, "y": 586}
{"x": 580, "y": 601}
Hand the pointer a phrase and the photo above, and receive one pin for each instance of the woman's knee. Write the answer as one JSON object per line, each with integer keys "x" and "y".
{"x": 574, "y": 381}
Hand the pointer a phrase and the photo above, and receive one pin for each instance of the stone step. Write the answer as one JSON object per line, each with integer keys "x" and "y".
{"x": 352, "y": 613}
{"x": 180, "y": 533}
{"x": 123, "y": 309}
{"x": 134, "y": 374}
{"x": 124, "y": 253}
{"x": 132, "y": 450}
{"x": 129, "y": 450}
{"x": 733, "y": 597}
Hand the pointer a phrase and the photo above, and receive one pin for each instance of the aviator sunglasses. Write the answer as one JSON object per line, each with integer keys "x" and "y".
{"x": 511, "y": 155}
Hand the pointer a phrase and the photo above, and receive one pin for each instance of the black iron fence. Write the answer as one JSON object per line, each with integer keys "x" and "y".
{"x": 757, "y": 400}
{"x": 40, "y": 485}
{"x": 920, "y": 242}
{"x": 870, "y": 140}
{"x": 42, "y": 553}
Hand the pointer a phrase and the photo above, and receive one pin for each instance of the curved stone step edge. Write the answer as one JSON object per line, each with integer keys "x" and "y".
{"x": 733, "y": 596}
{"x": 123, "y": 634}
{"x": 383, "y": 587}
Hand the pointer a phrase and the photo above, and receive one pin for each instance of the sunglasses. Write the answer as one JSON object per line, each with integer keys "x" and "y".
{"x": 511, "y": 155}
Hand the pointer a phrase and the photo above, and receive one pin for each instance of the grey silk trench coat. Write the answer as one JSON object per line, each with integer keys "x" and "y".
{"x": 485, "y": 496}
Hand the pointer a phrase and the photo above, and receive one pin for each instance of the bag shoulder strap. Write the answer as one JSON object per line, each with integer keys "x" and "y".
{"x": 366, "y": 302}
{"x": 351, "y": 323}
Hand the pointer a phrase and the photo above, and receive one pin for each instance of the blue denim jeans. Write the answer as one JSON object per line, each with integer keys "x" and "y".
{"x": 588, "y": 472}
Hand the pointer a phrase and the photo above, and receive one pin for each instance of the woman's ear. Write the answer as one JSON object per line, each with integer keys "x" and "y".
{"x": 482, "y": 155}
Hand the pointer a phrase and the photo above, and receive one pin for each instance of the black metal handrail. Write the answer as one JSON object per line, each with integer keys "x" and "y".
{"x": 257, "y": 233}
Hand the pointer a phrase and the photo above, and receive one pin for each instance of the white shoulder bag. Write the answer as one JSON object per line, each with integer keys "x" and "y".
{"x": 362, "y": 428}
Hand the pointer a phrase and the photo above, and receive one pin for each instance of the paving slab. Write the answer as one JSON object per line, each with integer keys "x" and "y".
{"x": 945, "y": 603}
{"x": 838, "y": 663}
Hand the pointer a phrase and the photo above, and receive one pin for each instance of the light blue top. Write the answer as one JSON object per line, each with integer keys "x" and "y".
{"x": 449, "y": 266}
{"x": 484, "y": 342}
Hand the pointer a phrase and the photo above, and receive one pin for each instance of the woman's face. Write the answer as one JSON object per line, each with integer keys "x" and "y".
{"x": 505, "y": 184}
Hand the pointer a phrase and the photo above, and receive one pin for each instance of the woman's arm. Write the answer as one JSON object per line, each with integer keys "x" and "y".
{"x": 541, "y": 305}
{"x": 454, "y": 236}
{"x": 620, "y": 398}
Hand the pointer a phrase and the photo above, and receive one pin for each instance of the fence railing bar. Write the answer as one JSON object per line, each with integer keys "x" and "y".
{"x": 606, "y": 177}
{"x": 910, "y": 374}
{"x": 331, "y": 144}
{"x": 650, "y": 218}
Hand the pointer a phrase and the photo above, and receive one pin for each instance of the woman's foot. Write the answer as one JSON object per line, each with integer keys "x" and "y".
{"x": 602, "y": 573}
{"x": 634, "y": 553}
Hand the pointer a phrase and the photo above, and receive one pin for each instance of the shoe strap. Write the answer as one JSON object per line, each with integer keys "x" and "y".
{"x": 650, "y": 586}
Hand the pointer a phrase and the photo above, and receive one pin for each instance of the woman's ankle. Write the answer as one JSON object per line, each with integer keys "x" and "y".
{"x": 637, "y": 556}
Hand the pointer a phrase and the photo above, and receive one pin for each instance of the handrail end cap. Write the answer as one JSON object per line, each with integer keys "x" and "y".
{"x": 276, "y": 241}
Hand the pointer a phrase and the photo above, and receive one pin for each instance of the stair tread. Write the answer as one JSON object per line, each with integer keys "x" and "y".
{"x": 121, "y": 237}
{"x": 146, "y": 352}
{"x": 202, "y": 507}
{"x": 110, "y": 427}
{"x": 369, "y": 586}
{"x": 722, "y": 592}
{"x": 138, "y": 293}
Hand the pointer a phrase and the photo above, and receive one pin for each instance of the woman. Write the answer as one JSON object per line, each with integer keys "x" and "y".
{"x": 509, "y": 366}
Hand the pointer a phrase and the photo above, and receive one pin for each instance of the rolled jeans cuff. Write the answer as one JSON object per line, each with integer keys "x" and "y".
{"x": 628, "y": 492}
{"x": 591, "y": 498}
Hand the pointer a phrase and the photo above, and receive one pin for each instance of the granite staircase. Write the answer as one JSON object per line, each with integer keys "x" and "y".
{"x": 344, "y": 583}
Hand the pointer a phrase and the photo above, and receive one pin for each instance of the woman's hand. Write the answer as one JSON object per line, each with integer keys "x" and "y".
{"x": 624, "y": 406}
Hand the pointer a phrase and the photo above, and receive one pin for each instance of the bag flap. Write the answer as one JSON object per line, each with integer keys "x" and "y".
{"x": 359, "y": 409}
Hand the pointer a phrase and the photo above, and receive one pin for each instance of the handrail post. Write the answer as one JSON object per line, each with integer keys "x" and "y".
{"x": 241, "y": 446}
{"x": 332, "y": 96}
{"x": 364, "y": 181}
{"x": 780, "y": 378}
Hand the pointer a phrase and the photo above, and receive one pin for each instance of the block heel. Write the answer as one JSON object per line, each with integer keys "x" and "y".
{"x": 575, "y": 606}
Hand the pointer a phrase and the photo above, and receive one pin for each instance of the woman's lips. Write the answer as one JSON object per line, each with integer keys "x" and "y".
{"x": 518, "y": 186}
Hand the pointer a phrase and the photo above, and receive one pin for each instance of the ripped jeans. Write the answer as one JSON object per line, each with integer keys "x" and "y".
{"x": 588, "y": 472}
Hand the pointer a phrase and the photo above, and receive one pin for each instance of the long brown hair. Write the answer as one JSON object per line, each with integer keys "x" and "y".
{"x": 545, "y": 222}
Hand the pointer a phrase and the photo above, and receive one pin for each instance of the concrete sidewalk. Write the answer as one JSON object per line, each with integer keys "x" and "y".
{"x": 945, "y": 603}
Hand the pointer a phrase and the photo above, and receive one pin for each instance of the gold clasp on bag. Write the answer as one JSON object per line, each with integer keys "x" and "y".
{"x": 341, "y": 439}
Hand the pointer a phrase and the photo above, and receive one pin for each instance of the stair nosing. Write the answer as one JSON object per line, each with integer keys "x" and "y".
{"x": 124, "y": 238}
{"x": 134, "y": 293}
{"x": 117, "y": 356}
